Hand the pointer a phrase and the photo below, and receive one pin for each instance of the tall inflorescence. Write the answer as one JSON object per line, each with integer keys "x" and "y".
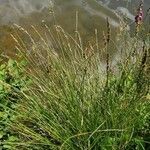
{"x": 139, "y": 16}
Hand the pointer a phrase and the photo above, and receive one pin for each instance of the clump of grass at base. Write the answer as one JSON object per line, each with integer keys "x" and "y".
{"x": 70, "y": 106}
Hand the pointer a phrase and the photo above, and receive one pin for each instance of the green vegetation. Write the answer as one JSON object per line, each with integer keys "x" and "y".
{"x": 12, "y": 81}
{"x": 75, "y": 102}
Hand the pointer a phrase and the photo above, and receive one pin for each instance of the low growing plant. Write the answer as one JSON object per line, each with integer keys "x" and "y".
{"x": 12, "y": 81}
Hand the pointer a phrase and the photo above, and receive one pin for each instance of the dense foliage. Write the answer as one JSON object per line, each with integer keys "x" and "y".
{"x": 75, "y": 102}
{"x": 77, "y": 97}
{"x": 12, "y": 81}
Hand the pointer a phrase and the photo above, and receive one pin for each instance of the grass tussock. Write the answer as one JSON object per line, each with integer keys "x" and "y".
{"x": 77, "y": 102}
